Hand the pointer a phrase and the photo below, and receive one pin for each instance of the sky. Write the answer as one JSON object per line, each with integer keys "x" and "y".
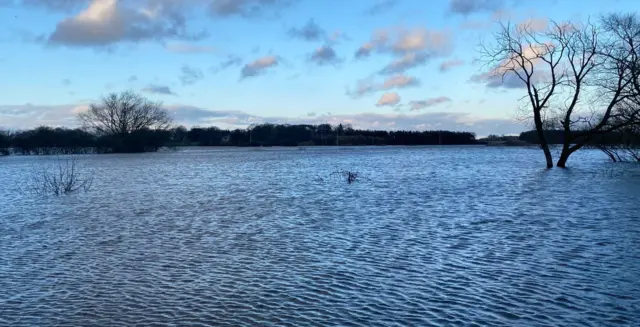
{"x": 376, "y": 64}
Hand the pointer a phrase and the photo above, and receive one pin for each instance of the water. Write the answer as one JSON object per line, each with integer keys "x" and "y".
{"x": 450, "y": 236}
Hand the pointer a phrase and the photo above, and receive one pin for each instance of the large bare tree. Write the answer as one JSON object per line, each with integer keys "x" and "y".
{"x": 124, "y": 113}
{"x": 581, "y": 78}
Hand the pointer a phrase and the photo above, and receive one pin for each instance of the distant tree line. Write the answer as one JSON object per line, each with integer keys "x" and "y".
{"x": 309, "y": 135}
{"x": 127, "y": 122}
{"x": 45, "y": 140}
{"x": 48, "y": 140}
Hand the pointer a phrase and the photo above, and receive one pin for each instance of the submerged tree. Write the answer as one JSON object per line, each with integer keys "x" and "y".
{"x": 579, "y": 78}
{"x": 128, "y": 122}
{"x": 64, "y": 177}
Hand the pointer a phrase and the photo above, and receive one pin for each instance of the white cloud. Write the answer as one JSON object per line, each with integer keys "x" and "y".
{"x": 107, "y": 22}
{"x": 104, "y": 23}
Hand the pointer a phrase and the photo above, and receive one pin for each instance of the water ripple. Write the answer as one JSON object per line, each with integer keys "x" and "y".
{"x": 438, "y": 237}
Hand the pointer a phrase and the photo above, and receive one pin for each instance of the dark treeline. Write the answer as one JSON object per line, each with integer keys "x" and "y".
{"x": 308, "y": 135}
{"x": 48, "y": 140}
{"x": 558, "y": 137}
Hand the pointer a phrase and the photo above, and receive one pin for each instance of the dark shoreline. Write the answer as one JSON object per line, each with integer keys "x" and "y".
{"x": 54, "y": 151}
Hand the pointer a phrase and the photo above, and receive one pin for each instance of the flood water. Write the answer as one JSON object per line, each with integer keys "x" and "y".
{"x": 429, "y": 236}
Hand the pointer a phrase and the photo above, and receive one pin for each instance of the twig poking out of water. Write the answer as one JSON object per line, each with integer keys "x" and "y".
{"x": 346, "y": 175}
{"x": 350, "y": 176}
{"x": 65, "y": 176}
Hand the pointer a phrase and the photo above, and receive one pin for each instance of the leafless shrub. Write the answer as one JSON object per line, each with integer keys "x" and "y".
{"x": 63, "y": 177}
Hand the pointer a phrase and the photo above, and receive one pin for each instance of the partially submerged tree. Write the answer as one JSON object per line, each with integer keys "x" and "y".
{"x": 580, "y": 78}
{"x": 64, "y": 177}
{"x": 128, "y": 122}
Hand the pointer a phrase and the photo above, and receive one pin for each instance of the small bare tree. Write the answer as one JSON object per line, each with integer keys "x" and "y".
{"x": 124, "y": 113}
{"x": 65, "y": 176}
{"x": 578, "y": 77}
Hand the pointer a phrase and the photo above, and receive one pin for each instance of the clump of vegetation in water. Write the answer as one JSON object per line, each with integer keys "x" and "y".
{"x": 345, "y": 175}
{"x": 64, "y": 177}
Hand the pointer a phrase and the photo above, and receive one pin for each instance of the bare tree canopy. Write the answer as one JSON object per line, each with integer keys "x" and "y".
{"x": 124, "y": 113}
{"x": 578, "y": 77}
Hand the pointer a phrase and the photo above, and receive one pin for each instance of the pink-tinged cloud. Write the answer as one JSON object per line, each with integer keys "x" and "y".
{"x": 389, "y": 99}
{"x": 401, "y": 41}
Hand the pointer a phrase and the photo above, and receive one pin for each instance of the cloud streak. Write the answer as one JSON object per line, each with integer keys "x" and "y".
{"x": 309, "y": 32}
{"x": 405, "y": 63}
{"x": 231, "y": 61}
{"x": 190, "y": 75}
{"x": 423, "y": 104}
{"x": 447, "y": 65}
{"x": 158, "y": 89}
{"x": 466, "y": 7}
{"x": 188, "y": 48}
{"x": 381, "y": 6}
{"x": 247, "y": 8}
{"x": 258, "y": 66}
{"x": 367, "y": 86}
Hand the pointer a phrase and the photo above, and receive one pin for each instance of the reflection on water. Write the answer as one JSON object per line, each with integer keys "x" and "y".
{"x": 453, "y": 236}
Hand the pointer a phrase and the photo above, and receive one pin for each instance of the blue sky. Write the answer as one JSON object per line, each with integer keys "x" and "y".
{"x": 231, "y": 63}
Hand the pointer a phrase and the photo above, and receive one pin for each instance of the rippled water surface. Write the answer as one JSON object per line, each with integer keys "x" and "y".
{"x": 452, "y": 236}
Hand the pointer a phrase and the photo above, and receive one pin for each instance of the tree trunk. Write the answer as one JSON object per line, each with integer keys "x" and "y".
{"x": 567, "y": 150}
{"x": 537, "y": 118}
{"x": 564, "y": 156}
